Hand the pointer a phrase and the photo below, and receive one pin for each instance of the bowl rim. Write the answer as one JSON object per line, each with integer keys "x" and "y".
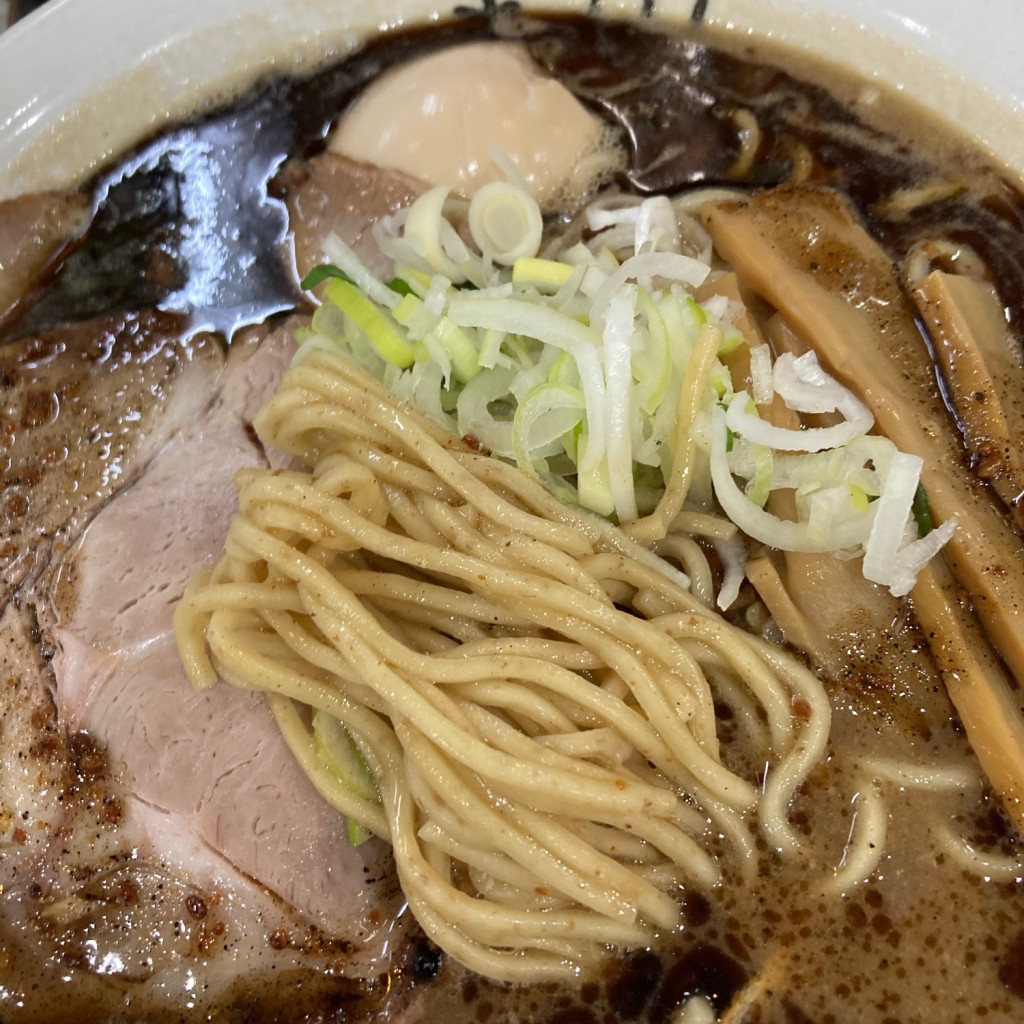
{"x": 75, "y": 90}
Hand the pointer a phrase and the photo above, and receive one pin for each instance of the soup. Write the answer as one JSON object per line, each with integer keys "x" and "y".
{"x": 125, "y": 918}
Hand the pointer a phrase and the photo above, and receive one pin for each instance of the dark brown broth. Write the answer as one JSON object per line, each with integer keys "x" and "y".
{"x": 915, "y": 944}
{"x": 188, "y": 221}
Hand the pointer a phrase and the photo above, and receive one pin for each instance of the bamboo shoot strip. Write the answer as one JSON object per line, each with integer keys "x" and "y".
{"x": 802, "y": 251}
{"x": 988, "y": 707}
{"x": 973, "y": 349}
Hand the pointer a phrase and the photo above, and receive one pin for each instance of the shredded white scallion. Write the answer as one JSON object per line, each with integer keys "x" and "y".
{"x": 570, "y": 362}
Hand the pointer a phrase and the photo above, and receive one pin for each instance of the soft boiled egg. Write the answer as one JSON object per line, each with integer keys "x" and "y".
{"x": 444, "y": 117}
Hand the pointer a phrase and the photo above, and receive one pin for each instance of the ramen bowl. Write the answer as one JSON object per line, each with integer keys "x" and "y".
{"x": 76, "y": 95}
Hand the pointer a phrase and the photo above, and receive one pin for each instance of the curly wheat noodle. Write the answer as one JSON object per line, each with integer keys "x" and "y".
{"x": 417, "y": 699}
{"x": 574, "y": 867}
{"x": 548, "y": 763}
{"x": 694, "y": 562}
{"x": 491, "y": 578}
{"x": 420, "y": 439}
{"x": 866, "y": 842}
{"x": 979, "y": 862}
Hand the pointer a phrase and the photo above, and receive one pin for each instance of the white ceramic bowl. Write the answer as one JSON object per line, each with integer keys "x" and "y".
{"x": 78, "y": 84}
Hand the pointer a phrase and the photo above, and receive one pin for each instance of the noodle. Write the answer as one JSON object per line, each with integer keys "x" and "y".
{"x": 867, "y": 839}
{"x": 698, "y": 369}
{"x": 532, "y": 691}
{"x": 870, "y": 823}
{"x": 999, "y": 867}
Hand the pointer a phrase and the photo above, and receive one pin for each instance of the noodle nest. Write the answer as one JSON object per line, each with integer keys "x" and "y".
{"x": 533, "y": 692}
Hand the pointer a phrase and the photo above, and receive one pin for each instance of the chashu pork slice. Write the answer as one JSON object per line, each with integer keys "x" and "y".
{"x": 84, "y": 409}
{"x": 211, "y": 766}
{"x": 333, "y": 193}
{"x": 158, "y": 846}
